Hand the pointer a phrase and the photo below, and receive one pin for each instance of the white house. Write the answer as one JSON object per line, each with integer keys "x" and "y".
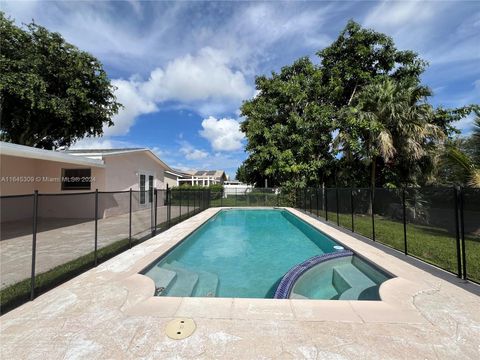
{"x": 25, "y": 169}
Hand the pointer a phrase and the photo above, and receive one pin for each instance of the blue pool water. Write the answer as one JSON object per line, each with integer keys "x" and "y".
{"x": 239, "y": 253}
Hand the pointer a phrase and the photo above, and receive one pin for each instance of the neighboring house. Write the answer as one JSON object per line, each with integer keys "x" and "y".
{"x": 176, "y": 177}
{"x": 173, "y": 176}
{"x": 204, "y": 177}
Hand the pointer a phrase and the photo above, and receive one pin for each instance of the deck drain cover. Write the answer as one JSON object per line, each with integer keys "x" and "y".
{"x": 178, "y": 329}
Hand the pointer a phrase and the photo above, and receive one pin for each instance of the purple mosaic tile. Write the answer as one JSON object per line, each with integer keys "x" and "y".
{"x": 286, "y": 284}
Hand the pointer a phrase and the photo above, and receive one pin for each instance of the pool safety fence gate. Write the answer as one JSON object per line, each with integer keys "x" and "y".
{"x": 47, "y": 239}
{"x": 438, "y": 225}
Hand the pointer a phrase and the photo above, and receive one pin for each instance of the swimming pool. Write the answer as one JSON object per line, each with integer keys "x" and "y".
{"x": 247, "y": 252}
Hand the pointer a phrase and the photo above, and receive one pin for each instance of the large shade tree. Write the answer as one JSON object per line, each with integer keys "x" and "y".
{"x": 288, "y": 126}
{"x": 361, "y": 117}
{"x": 51, "y": 93}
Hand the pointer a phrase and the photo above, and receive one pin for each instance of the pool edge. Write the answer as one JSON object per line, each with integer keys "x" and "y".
{"x": 393, "y": 296}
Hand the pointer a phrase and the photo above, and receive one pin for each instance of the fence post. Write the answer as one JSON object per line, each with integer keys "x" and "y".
{"x": 221, "y": 198}
{"x": 405, "y": 244}
{"x": 305, "y": 199}
{"x": 372, "y": 196}
{"x": 96, "y": 229}
{"x": 167, "y": 198}
{"x": 34, "y": 244}
{"x": 325, "y": 193}
{"x": 336, "y": 199}
{"x": 152, "y": 204}
{"x": 317, "y": 203}
{"x": 353, "y": 211}
{"x": 188, "y": 202}
{"x": 462, "y": 232}
{"x": 180, "y": 206}
{"x": 457, "y": 232}
{"x": 155, "y": 192}
{"x": 310, "y": 201}
{"x": 130, "y": 221}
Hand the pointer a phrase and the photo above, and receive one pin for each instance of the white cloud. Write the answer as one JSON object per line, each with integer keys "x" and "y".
{"x": 191, "y": 153}
{"x": 191, "y": 78}
{"x": 134, "y": 104}
{"x": 136, "y": 6}
{"x": 100, "y": 143}
{"x": 223, "y": 134}
{"x": 196, "y": 154}
{"x": 399, "y": 14}
{"x": 465, "y": 125}
{"x": 205, "y": 81}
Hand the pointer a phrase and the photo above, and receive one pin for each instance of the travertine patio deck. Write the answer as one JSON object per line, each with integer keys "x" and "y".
{"x": 109, "y": 312}
{"x": 60, "y": 240}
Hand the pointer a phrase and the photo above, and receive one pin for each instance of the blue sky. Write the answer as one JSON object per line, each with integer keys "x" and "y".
{"x": 183, "y": 68}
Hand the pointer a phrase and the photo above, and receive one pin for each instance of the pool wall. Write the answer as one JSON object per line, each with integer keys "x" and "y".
{"x": 326, "y": 244}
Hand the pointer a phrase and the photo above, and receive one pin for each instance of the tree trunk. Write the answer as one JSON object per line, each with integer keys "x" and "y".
{"x": 351, "y": 96}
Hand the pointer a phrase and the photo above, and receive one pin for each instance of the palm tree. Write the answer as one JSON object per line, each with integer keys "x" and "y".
{"x": 469, "y": 165}
{"x": 388, "y": 119}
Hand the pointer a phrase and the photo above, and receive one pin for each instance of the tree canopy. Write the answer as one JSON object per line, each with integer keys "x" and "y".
{"x": 51, "y": 93}
{"x": 359, "y": 118}
{"x": 288, "y": 127}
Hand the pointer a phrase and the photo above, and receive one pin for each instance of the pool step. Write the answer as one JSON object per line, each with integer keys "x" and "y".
{"x": 297, "y": 296}
{"x": 207, "y": 285}
{"x": 162, "y": 278}
{"x": 353, "y": 276}
{"x": 354, "y": 293}
{"x": 207, "y": 282}
{"x": 184, "y": 283}
{"x": 350, "y": 281}
{"x": 351, "y": 294}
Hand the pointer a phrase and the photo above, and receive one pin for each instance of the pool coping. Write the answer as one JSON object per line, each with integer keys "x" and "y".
{"x": 397, "y": 294}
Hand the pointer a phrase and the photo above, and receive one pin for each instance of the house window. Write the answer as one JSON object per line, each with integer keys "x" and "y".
{"x": 146, "y": 188}
{"x": 142, "y": 189}
{"x": 150, "y": 189}
{"x": 76, "y": 179}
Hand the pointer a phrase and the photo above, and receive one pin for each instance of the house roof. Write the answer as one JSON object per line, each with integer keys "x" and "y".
{"x": 187, "y": 174}
{"x": 104, "y": 151}
{"x": 176, "y": 173}
{"x": 49, "y": 155}
{"x": 210, "y": 173}
{"x": 205, "y": 173}
{"x": 101, "y": 153}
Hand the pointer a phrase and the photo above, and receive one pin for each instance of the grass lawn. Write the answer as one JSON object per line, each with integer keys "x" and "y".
{"x": 431, "y": 244}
